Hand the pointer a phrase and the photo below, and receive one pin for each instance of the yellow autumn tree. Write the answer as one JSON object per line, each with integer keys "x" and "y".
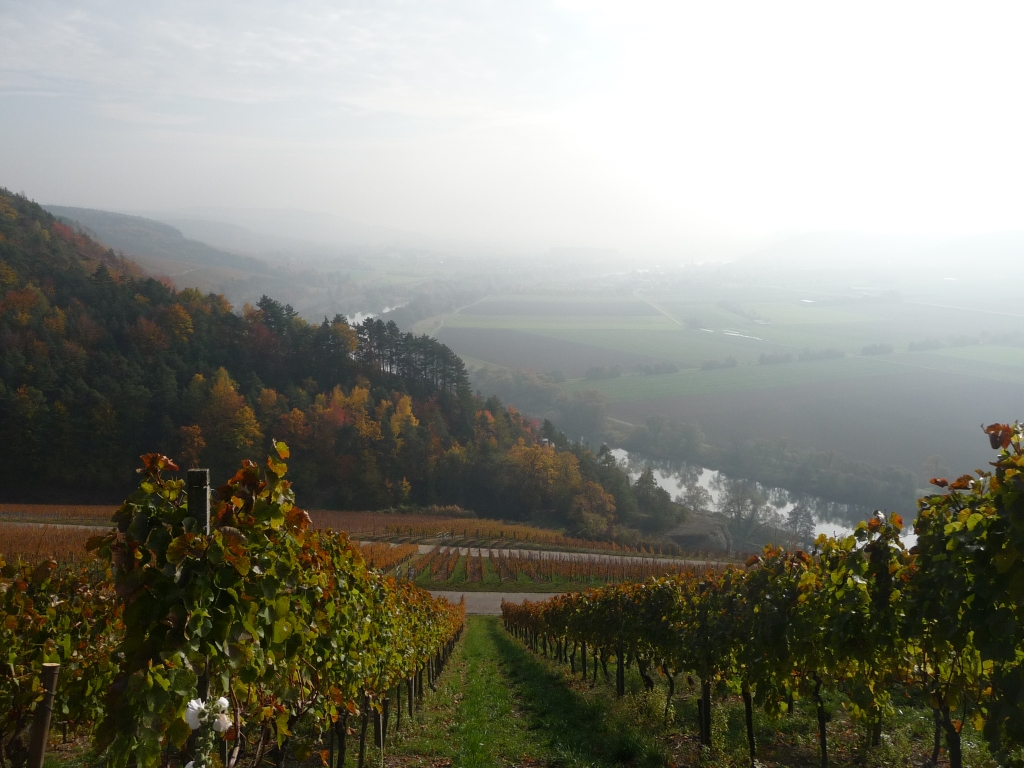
{"x": 295, "y": 429}
{"x": 192, "y": 445}
{"x": 358, "y": 404}
{"x": 229, "y": 425}
{"x": 402, "y": 418}
{"x": 544, "y": 478}
{"x": 592, "y": 511}
{"x": 177, "y": 322}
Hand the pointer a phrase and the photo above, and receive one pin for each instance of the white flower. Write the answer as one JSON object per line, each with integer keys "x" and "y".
{"x": 223, "y": 704}
{"x": 194, "y": 714}
{"x": 221, "y": 723}
{"x": 190, "y": 764}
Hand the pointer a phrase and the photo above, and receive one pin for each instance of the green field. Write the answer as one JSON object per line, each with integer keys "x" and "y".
{"x": 558, "y": 323}
{"x": 899, "y": 408}
{"x": 637, "y": 387}
{"x": 741, "y": 378}
{"x": 990, "y": 354}
{"x": 786, "y": 327}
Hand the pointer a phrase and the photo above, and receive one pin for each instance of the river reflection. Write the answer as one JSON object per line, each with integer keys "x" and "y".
{"x": 677, "y": 478}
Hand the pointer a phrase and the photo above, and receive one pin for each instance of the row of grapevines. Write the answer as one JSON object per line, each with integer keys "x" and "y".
{"x": 862, "y": 618}
{"x": 250, "y": 641}
{"x": 549, "y": 566}
{"x": 384, "y": 557}
{"x": 48, "y": 613}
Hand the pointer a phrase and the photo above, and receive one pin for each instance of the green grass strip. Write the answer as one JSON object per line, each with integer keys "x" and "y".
{"x": 490, "y": 731}
{"x": 576, "y": 730}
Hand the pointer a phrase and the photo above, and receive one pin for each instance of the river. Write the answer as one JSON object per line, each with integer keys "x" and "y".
{"x": 675, "y": 482}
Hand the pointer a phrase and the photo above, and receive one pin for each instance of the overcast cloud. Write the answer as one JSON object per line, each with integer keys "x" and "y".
{"x": 670, "y": 126}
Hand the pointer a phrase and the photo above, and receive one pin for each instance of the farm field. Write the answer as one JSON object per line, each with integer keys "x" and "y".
{"x": 388, "y": 539}
{"x": 70, "y": 514}
{"x": 990, "y": 353}
{"x": 632, "y": 388}
{"x": 942, "y": 362}
{"x": 514, "y": 348}
{"x": 503, "y": 570}
{"x": 33, "y": 542}
{"x": 469, "y": 531}
{"x": 900, "y": 419}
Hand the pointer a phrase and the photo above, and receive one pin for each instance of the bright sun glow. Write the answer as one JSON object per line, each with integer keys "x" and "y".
{"x": 669, "y": 125}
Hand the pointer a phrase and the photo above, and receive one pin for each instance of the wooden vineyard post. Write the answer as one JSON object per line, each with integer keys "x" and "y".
{"x": 620, "y": 673}
{"x": 41, "y": 719}
{"x": 197, "y": 486}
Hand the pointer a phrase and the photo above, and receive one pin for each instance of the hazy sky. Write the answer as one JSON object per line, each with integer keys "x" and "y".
{"x": 625, "y": 124}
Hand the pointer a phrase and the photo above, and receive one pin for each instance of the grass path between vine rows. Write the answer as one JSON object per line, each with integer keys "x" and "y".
{"x": 499, "y": 705}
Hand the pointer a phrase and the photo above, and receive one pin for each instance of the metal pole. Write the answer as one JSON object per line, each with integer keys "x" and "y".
{"x": 41, "y": 719}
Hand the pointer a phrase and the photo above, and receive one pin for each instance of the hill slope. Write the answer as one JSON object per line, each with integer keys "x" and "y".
{"x": 99, "y": 364}
{"x": 136, "y": 235}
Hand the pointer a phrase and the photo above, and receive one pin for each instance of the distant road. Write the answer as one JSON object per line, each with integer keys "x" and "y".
{"x": 489, "y": 603}
{"x": 644, "y": 299}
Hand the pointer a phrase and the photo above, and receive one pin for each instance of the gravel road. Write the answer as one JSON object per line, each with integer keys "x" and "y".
{"x": 489, "y": 603}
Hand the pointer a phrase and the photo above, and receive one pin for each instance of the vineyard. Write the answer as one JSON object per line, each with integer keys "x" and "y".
{"x": 33, "y": 542}
{"x": 384, "y": 557}
{"x": 84, "y": 514}
{"x": 471, "y": 531}
{"x": 444, "y": 566}
{"x": 243, "y": 635}
{"x": 378, "y": 526}
{"x": 260, "y": 639}
{"x": 863, "y": 621}
{"x": 508, "y": 568}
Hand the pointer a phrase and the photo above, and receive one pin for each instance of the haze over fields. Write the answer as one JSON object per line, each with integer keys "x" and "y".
{"x": 780, "y": 240}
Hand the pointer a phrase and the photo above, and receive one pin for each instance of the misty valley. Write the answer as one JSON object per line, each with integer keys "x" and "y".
{"x": 511, "y": 385}
{"x": 835, "y": 390}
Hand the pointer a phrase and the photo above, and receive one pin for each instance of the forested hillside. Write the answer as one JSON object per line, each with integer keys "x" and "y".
{"x": 99, "y": 364}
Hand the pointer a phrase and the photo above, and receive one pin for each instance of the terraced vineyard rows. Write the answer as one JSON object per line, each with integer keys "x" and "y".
{"x": 384, "y": 557}
{"x": 509, "y": 567}
{"x": 418, "y": 527}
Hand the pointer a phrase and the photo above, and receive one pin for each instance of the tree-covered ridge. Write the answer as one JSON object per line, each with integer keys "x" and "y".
{"x": 99, "y": 364}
